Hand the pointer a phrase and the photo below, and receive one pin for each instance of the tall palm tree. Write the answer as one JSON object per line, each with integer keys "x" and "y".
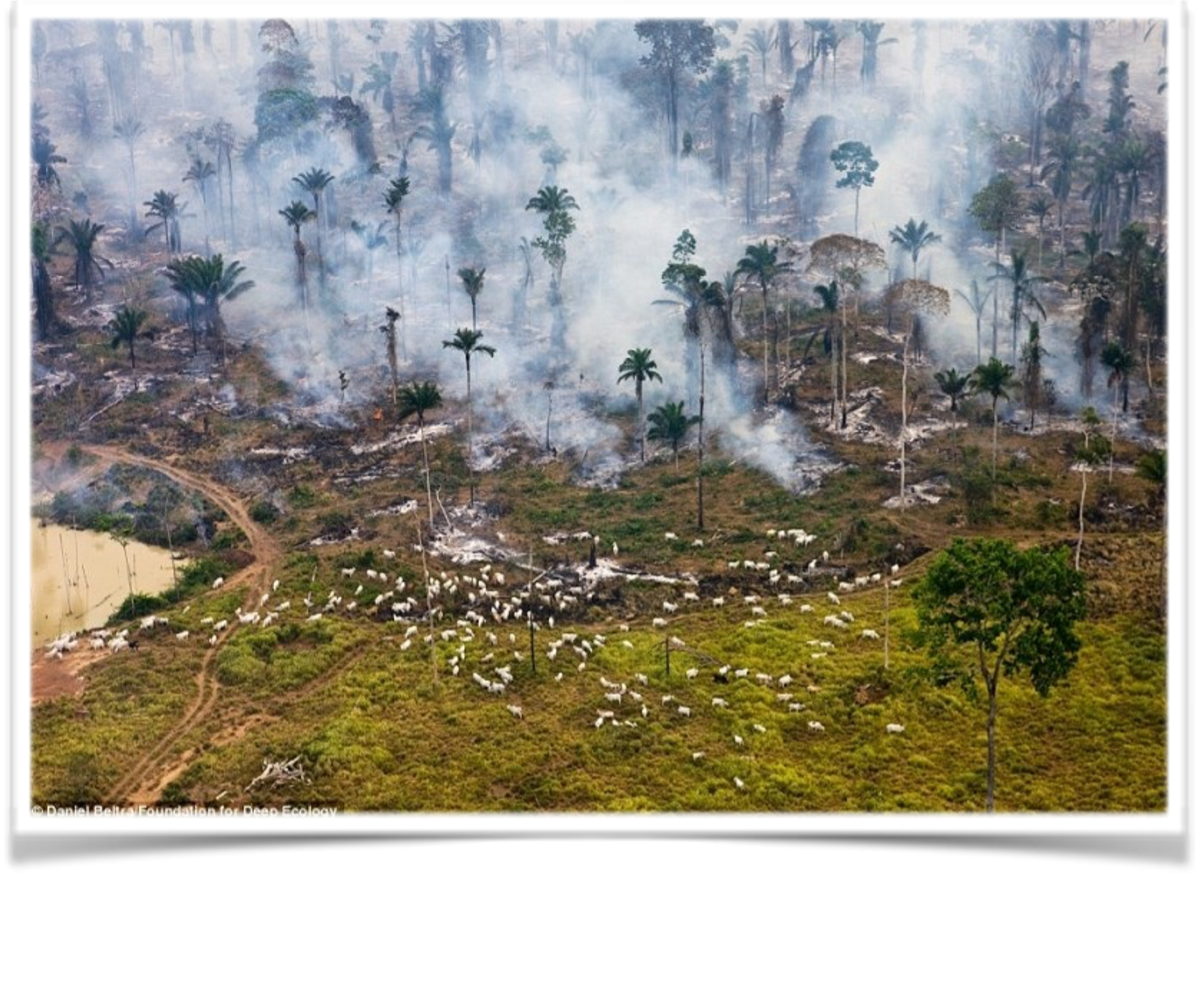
{"x": 126, "y": 325}
{"x": 388, "y": 329}
{"x": 393, "y": 199}
{"x": 639, "y": 367}
{"x": 438, "y": 131}
{"x": 129, "y": 130}
{"x": 555, "y": 205}
{"x": 1039, "y": 208}
{"x": 379, "y": 83}
{"x": 296, "y": 214}
{"x": 89, "y": 265}
{"x": 977, "y": 299}
{"x": 218, "y": 282}
{"x": 472, "y": 281}
{"x": 315, "y": 181}
{"x": 165, "y": 207}
{"x": 41, "y": 251}
{"x": 830, "y": 295}
{"x": 1132, "y": 159}
{"x": 913, "y": 238}
{"x": 670, "y": 424}
{"x": 468, "y": 342}
{"x": 1059, "y": 168}
{"x": 1024, "y": 297}
{"x": 761, "y": 264}
{"x": 45, "y": 155}
{"x": 200, "y": 174}
{"x": 995, "y": 379}
{"x": 759, "y": 42}
{"x": 417, "y": 399}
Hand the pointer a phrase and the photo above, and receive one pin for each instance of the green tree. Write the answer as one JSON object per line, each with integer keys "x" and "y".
{"x": 467, "y": 343}
{"x": 1024, "y": 294}
{"x": 215, "y": 282}
{"x": 165, "y": 207}
{"x": 472, "y": 282}
{"x": 1119, "y": 362}
{"x": 913, "y": 238}
{"x": 314, "y": 182}
{"x": 417, "y": 399}
{"x": 761, "y": 264}
{"x": 855, "y": 162}
{"x": 953, "y": 386}
{"x": 639, "y": 367}
{"x": 45, "y": 156}
{"x": 80, "y": 238}
{"x": 996, "y": 209}
{"x": 555, "y": 205}
{"x": 126, "y": 326}
{"x": 995, "y": 379}
{"x": 989, "y": 610}
{"x": 677, "y": 49}
{"x": 670, "y": 425}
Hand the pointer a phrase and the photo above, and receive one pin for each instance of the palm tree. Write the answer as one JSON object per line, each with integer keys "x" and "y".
{"x": 126, "y": 326}
{"x": 830, "y": 300}
{"x": 995, "y": 379}
{"x": 1040, "y": 207}
{"x": 42, "y": 250}
{"x": 977, "y": 300}
{"x": 379, "y": 83}
{"x": 89, "y": 265}
{"x": 185, "y": 281}
{"x": 555, "y": 205}
{"x": 669, "y": 424}
{"x": 45, "y": 156}
{"x": 218, "y": 282}
{"x": 1119, "y": 361}
{"x": 759, "y": 42}
{"x": 388, "y": 329}
{"x": 468, "y": 342}
{"x": 394, "y": 200}
{"x": 164, "y": 206}
{"x": 315, "y": 181}
{"x": 1023, "y": 283}
{"x": 761, "y": 264}
{"x": 129, "y": 130}
{"x": 913, "y": 238}
{"x": 200, "y": 174}
{"x": 1132, "y": 160}
{"x": 472, "y": 281}
{"x": 418, "y": 399}
{"x": 296, "y": 214}
{"x": 953, "y": 385}
{"x": 640, "y": 368}
{"x": 1065, "y": 154}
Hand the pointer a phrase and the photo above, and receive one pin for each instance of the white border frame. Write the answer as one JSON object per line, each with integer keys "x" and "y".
{"x": 1171, "y": 822}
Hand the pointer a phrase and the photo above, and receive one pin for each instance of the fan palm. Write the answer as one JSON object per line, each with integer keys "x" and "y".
{"x": 639, "y": 367}
{"x": 417, "y": 399}
{"x": 89, "y": 265}
{"x": 468, "y": 342}
{"x": 953, "y": 385}
{"x": 669, "y": 424}
{"x": 995, "y": 379}
{"x": 165, "y": 207}
{"x": 218, "y": 282}
{"x": 126, "y": 326}
{"x": 913, "y": 238}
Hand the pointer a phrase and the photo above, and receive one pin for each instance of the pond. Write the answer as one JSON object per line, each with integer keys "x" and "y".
{"x": 80, "y": 577}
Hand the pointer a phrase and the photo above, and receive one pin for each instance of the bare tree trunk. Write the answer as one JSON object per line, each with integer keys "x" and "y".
{"x": 991, "y": 735}
{"x": 904, "y": 411}
{"x": 1082, "y": 497}
{"x": 700, "y": 451}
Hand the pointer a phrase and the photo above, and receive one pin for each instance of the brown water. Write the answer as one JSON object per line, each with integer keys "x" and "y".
{"x": 79, "y": 577}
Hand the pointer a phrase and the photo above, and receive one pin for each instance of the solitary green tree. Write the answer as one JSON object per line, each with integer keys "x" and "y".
{"x": 989, "y": 610}
{"x": 126, "y": 326}
{"x": 995, "y": 379}
{"x": 467, "y": 343}
{"x": 670, "y": 425}
{"x": 417, "y": 399}
{"x": 913, "y": 238}
{"x": 639, "y": 368}
{"x": 856, "y": 164}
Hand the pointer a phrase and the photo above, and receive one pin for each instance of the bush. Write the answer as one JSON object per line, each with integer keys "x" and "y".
{"x": 264, "y": 512}
{"x": 138, "y": 605}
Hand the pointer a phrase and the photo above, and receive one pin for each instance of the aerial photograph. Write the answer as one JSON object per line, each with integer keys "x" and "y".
{"x": 551, "y": 416}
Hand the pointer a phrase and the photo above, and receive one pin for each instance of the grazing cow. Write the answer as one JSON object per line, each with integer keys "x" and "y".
{"x": 894, "y": 729}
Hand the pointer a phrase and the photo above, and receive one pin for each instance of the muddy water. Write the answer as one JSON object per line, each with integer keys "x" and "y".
{"x": 79, "y": 578}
